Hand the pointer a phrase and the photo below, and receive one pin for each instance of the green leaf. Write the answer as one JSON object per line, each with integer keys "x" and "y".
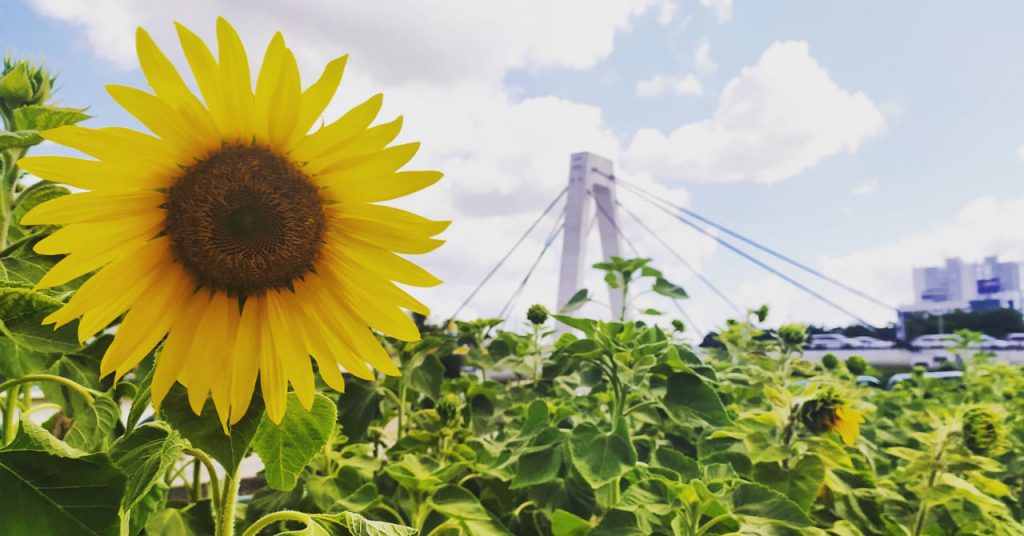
{"x": 59, "y": 496}
{"x": 93, "y": 425}
{"x": 204, "y": 431}
{"x": 585, "y": 325}
{"x": 426, "y": 375}
{"x": 600, "y": 457}
{"x": 36, "y": 194}
{"x": 31, "y": 436}
{"x": 537, "y": 467}
{"x": 576, "y": 301}
{"x": 755, "y": 500}
{"x": 286, "y": 448}
{"x": 145, "y": 456}
{"x": 141, "y": 400}
{"x": 686, "y": 394}
{"x": 22, "y": 311}
{"x": 41, "y": 117}
{"x": 800, "y": 483}
{"x": 19, "y": 361}
{"x": 358, "y": 525}
{"x": 567, "y": 524}
{"x": 666, "y": 288}
{"x": 153, "y": 501}
{"x": 19, "y": 139}
{"x": 458, "y": 503}
{"x": 358, "y": 407}
{"x": 169, "y": 522}
{"x": 685, "y": 466}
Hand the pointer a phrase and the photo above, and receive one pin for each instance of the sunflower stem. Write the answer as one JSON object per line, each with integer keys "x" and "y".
{"x": 225, "y": 518}
{"x": 88, "y": 394}
{"x": 9, "y": 407}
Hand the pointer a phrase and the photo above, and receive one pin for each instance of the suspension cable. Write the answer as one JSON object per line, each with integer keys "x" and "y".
{"x": 552, "y": 235}
{"x": 764, "y": 248}
{"x": 507, "y": 255}
{"x": 680, "y": 258}
{"x": 657, "y": 202}
{"x": 636, "y": 252}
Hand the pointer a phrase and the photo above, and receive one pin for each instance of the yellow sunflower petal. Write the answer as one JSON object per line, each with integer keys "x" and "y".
{"x": 206, "y": 73}
{"x": 386, "y": 263}
{"x": 120, "y": 146}
{"x": 236, "y": 82}
{"x": 146, "y": 324}
{"x": 366, "y": 169}
{"x": 90, "y": 174}
{"x": 317, "y": 97}
{"x": 366, "y": 144}
{"x": 848, "y": 421}
{"x": 92, "y": 206}
{"x": 168, "y": 85}
{"x": 273, "y": 378}
{"x": 385, "y": 188}
{"x": 164, "y": 120}
{"x": 177, "y": 354}
{"x": 245, "y": 357}
{"x": 339, "y": 132}
{"x": 290, "y": 348}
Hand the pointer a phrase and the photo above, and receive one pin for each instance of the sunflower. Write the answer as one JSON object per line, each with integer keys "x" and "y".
{"x": 245, "y": 242}
{"x": 828, "y": 412}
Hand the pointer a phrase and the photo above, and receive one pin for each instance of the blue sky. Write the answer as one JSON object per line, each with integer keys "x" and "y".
{"x": 941, "y": 176}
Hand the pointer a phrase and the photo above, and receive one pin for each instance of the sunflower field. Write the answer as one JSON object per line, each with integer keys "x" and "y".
{"x": 200, "y": 334}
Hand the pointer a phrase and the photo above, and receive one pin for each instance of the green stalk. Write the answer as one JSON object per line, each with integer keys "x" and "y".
{"x": 270, "y": 519}
{"x": 922, "y": 513}
{"x": 225, "y": 518}
{"x": 88, "y": 394}
{"x": 9, "y": 408}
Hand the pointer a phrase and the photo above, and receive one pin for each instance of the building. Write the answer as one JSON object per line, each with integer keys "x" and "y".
{"x": 965, "y": 286}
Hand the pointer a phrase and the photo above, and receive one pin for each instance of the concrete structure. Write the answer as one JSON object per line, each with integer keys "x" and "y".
{"x": 591, "y": 186}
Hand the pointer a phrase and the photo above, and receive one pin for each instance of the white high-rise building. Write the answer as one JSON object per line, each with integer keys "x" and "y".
{"x": 967, "y": 286}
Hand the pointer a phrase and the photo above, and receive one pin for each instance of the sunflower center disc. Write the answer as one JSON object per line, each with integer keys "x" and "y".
{"x": 245, "y": 220}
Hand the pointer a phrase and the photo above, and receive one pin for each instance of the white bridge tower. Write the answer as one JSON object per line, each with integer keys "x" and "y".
{"x": 591, "y": 188}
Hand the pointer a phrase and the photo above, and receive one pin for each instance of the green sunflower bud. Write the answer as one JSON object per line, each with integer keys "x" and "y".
{"x": 448, "y": 407}
{"x": 678, "y": 325}
{"x": 984, "y": 432}
{"x": 22, "y": 84}
{"x": 830, "y": 361}
{"x": 856, "y": 364}
{"x": 792, "y": 335}
{"x": 537, "y": 314}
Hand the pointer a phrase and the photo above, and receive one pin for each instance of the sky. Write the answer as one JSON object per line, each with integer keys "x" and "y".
{"x": 862, "y": 138}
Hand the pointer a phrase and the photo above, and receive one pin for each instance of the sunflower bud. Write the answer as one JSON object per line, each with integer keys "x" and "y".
{"x": 830, "y": 361}
{"x": 448, "y": 407}
{"x": 678, "y": 326}
{"x": 22, "y": 84}
{"x": 793, "y": 335}
{"x": 537, "y": 314}
{"x": 856, "y": 364}
{"x": 983, "y": 430}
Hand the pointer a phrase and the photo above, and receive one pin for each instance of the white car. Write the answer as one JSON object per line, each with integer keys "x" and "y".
{"x": 871, "y": 343}
{"x": 1015, "y": 340}
{"x": 829, "y": 341}
{"x": 990, "y": 343}
{"x": 933, "y": 341}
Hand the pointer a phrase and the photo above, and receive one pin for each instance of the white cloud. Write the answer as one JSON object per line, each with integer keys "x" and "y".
{"x": 985, "y": 226}
{"x": 721, "y": 8}
{"x": 773, "y": 121}
{"x": 440, "y": 42}
{"x": 866, "y": 188}
{"x": 702, "y": 56}
{"x": 663, "y": 83}
{"x": 666, "y": 13}
{"x": 1020, "y": 152}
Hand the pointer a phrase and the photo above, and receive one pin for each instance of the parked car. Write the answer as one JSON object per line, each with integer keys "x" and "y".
{"x": 829, "y": 341}
{"x": 1015, "y": 340}
{"x": 871, "y": 343}
{"x": 989, "y": 342}
{"x": 933, "y": 341}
